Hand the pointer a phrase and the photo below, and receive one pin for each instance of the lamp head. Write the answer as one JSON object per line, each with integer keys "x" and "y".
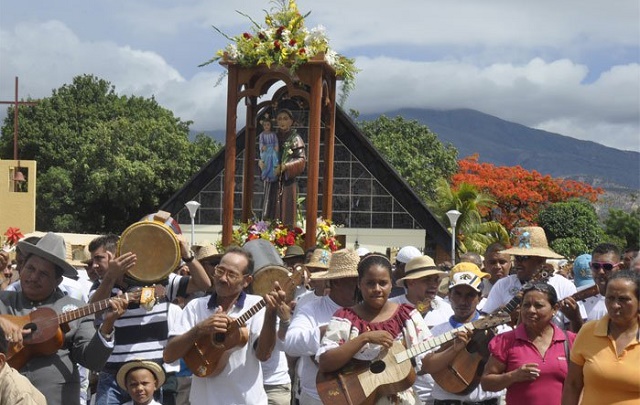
{"x": 453, "y": 216}
{"x": 192, "y": 206}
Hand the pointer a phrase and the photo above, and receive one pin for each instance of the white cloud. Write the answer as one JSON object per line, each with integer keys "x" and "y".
{"x": 525, "y": 62}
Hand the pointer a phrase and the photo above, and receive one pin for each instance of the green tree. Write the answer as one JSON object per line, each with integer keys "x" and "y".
{"x": 624, "y": 225}
{"x": 473, "y": 234}
{"x": 414, "y": 151}
{"x": 104, "y": 160}
{"x": 566, "y": 224}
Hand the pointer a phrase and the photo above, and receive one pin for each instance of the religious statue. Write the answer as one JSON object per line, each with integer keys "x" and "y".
{"x": 280, "y": 195}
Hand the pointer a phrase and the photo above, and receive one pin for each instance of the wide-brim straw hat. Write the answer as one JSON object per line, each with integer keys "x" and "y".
{"x": 418, "y": 267}
{"x": 77, "y": 256}
{"x": 204, "y": 252}
{"x": 52, "y": 248}
{"x": 343, "y": 264}
{"x": 531, "y": 241}
{"x": 319, "y": 260}
{"x": 155, "y": 368}
{"x": 468, "y": 274}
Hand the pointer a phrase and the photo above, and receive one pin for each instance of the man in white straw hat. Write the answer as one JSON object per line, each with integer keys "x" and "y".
{"x": 465, "y": 294}
{"x": 421, "y": 280}
{"x": 531, "y": 251}
{"x": 305, "y": 331}
{"x": 56, "y": 376}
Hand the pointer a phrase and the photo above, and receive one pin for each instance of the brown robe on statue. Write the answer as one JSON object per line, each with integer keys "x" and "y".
{"x": 280, "y": 197}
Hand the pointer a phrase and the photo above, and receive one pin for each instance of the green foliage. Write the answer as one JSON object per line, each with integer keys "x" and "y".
{"x": 625, "y": 226}
{"x": 571, "y": 221}
{"x": 473, "y": 234}
{"x": 570, "y": 247}
{"x": 414, "y": 151}
{"x": 104, "y": 160}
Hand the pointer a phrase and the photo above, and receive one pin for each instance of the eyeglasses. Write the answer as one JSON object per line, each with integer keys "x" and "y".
{"x": 522, "y": 258}
{"x": 602, "y": 265}
{"x": 231, "y": 276}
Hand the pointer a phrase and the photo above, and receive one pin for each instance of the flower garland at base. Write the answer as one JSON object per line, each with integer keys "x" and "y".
{"x": 281, "y": 236}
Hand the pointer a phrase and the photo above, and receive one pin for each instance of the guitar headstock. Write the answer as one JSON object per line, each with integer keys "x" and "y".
{"x": 492, "y": 320}
{"x": 296, "y": 277}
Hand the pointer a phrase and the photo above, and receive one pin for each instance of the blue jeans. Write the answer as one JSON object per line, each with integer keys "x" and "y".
{"x": 108, "y": 392}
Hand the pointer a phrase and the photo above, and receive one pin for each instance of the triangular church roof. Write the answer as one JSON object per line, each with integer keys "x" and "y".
{"x": 363, "y": 150}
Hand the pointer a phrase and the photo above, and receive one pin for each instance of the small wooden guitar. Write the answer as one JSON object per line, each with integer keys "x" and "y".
{"x": 463, "y": 374}
{"x": 208, "y": 355}
{"x": 361, "y": 382}
{"x": 48, "y": 328}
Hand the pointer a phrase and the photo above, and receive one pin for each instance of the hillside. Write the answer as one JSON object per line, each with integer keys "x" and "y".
{"x": 506, "y": 143}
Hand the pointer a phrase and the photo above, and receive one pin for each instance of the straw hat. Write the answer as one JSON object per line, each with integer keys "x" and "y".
{"x": 50, "y": 247}
{"x": 343, "y": 264}
{"x": 206, "y": 251}
{"x": 320, "y": 259}
{"x": 77, "y": 256}
{"x": 467, "y": 273}
{"x": 418, "y": 267}
{"x": 531, "y": 241}
{"x": 155, "y": 368}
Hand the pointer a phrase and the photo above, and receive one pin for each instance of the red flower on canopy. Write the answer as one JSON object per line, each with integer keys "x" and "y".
{"x": 13, "y": 235}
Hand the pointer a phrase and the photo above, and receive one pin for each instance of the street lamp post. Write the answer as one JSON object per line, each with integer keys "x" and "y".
{"x": 192, "y": 206}
{"x": 453, "y": 216}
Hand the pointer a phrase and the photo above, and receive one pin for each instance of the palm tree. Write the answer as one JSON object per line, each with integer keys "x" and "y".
{"x": 473, "y": 234}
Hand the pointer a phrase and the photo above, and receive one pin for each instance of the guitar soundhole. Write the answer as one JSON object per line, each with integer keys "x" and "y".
{"x": 377, "y": 367}
{"x": 32, "y": 326}
{"x": 218, "y": 338}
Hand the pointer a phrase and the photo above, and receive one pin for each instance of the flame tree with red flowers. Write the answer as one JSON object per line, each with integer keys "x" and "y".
{"x": 520, "y": 194}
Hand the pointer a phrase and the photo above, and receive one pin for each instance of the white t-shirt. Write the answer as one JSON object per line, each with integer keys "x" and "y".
{"x": 440, "y": 310}
{"x": 507, "y": 287}
{"x": 303, "y": 338}
{"x": 595, "y": 307}
{"x": 240, "y": 382}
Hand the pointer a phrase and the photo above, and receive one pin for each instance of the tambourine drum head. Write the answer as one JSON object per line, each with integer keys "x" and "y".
{"x": 156, "y": 247}
{"x": 263, "y": 280}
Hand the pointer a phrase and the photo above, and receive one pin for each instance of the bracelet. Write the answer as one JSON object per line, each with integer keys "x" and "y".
{"x": 189, "y": 259}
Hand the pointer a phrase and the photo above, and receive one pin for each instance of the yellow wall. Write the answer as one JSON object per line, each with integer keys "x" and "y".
{"x": 17, "y": 209}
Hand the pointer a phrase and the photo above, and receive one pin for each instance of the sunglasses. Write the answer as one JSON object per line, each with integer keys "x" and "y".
{"x": 602, "y": 265}
{"x": 522, "y": 258}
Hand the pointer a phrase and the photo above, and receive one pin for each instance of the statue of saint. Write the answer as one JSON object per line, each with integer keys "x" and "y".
{"x": 280, "y": 195}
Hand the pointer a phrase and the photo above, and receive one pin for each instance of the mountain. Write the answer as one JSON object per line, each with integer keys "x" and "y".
{"x": 505, "y": 143}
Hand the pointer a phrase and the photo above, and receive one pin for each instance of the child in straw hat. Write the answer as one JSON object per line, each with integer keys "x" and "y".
{"x": 140, "y": 378}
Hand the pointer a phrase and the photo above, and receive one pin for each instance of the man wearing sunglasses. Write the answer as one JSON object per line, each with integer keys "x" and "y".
{"x": 531, "y": 251}
{"x": 605, "y": 260}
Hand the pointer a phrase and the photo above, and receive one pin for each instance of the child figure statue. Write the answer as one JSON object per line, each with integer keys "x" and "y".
{"x": 268, "y": 143}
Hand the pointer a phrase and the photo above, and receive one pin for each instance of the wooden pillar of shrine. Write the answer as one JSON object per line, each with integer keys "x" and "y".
{"x": 314, "y": 82}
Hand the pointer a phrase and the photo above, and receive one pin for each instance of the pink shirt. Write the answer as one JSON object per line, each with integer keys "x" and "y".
{"x": 514, "y": 349}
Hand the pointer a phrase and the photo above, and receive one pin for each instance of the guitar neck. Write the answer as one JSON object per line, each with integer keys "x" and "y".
{"x": 512, "y": 304}
{"x": 429, "y": 344}
{"x": 87, "y": 310}
{"x": 242, "y": 319}
{"x": 586, "y": 293}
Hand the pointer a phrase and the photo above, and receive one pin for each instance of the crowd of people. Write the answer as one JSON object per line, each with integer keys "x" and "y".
{"x": 504, "y": 327}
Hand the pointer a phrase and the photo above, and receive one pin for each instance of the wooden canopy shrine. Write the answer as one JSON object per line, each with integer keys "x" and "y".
{"x": 315, "y": 83}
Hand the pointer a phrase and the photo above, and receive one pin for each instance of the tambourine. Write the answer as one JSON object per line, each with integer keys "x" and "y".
{"x": 155, "y": 245}
{"x": 263, "y": 279}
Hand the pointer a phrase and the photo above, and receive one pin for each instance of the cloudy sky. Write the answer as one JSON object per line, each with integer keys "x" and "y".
{"x": 570, "y": 66}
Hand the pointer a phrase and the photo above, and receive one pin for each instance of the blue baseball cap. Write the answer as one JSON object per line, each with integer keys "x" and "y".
{"x": 582, "y": 272}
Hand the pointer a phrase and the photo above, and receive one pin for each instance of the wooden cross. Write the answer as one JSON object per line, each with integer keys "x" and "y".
{"x": 15, "y": 118}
